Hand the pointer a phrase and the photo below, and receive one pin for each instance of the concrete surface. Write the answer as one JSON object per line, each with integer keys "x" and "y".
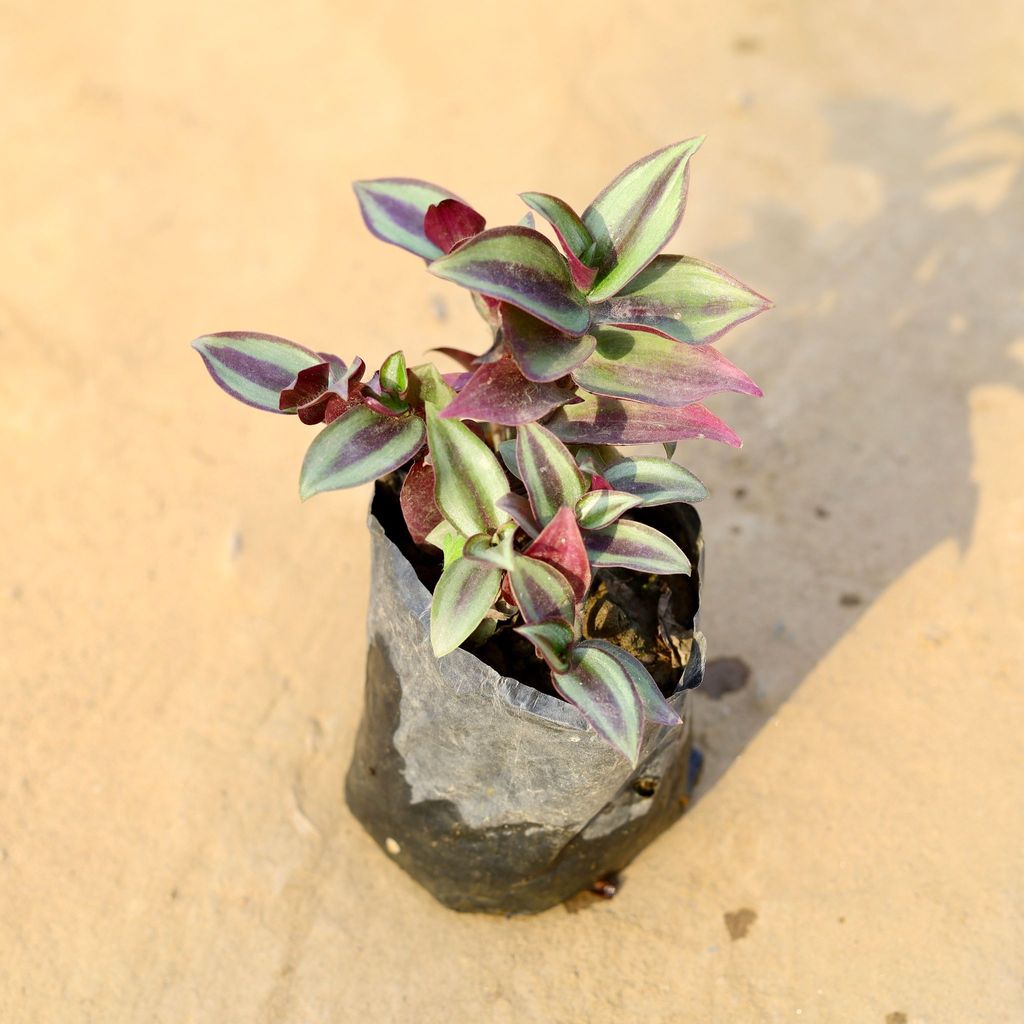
{"x": 181, "y": 643}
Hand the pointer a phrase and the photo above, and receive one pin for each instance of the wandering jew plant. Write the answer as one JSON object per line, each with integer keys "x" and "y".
{"x": 511, "y": 470}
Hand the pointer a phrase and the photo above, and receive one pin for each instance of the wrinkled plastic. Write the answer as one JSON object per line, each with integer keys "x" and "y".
{"x": 494, "y": 796}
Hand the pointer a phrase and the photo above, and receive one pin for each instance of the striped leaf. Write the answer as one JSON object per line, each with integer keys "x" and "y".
{"x": 682, "y": 298}
{"x": 633, "y": 218}
{"x": 560, "y": 544}
{"x": 548, "y": 471}
{"x": 499, "y": 553}
{"x": 469, "y": 481}
{"x": 543, "y": 352}
{"x": 520, "y": 266}
{"x": 655, "y": 481}
{"x": 394, "y": 210}
{"x": 603, "y": 507}
{"x": 254, "y": 368}
{"x": 573, "y": 235}
{"x": 427, "y": 385}
{"x": 540, "y": 590}
{"x": 648, "y": 368}
{"x": 635, "y": 546}
{"x": 603, "y": 691}
{"x": 359, "y": 447}
{"x": 464, "y": 594}
{"x": 499, "y": 393}
{"x": 656, "y": 708}
{"x": 601, "y": 420}
{"x": 552, "y": 639}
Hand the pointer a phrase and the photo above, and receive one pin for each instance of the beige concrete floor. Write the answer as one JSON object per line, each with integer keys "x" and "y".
{"x": 181, "y": 644}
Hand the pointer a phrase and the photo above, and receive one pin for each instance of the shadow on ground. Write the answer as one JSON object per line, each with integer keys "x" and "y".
{"x": 858, "y": 461}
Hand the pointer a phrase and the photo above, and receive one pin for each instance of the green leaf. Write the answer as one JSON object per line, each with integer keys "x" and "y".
{"x": 635, "y": 546}
{"x": 656, "y": 708}
{"x": 490, "y": 551}
{"x": 636, "y": 215}
{"x": 560, "y": 215}
{"x": 540, "y": 590}
{"x": 603, "y": 691}
{"x": 394, "y": 378}
{"x": 520, "y": 266}
{"x": 360, "y": 446}
{"x": 427, "y": 385}
{"x": 601, "y": 508}
{"x": 684, "y": 299}
{"x": 469, "y": 480}
{"x": 464, "y": 594}
{"x": 548, "y": 470}
{"x": 645, "y": 367}
{"x": 655, "y": 481}
{"x": 394, "y": 208}
{"x": 254, "y": 368}
{"x": 552, "y": 640}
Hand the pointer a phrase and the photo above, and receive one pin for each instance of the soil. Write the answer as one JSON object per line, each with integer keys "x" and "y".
{"x": 650, "y": 616}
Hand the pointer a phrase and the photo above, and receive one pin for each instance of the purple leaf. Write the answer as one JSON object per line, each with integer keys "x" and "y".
{"x": 599, "y": 420}
{"x": 552, "y": 640}
{"x": 417, "y": 500}
{"x": 360, "y": 446}
{"x": 467, "y": 360}
{"x": 561, "y": 544}
{"x": 540, "y": 590}
{"x": 635, "y": 546}
{"x": 520, "y": 266}
{"x": 394, "y": 210}
{"x": 543, "y": 352}
{"x": 548, "y": 471}
{"x": 633, "y": 218}
{"x": 648, "y": 368}
{"x": 682, "y": 298}
{"x": 450, "y": 222}
{"x": 601, "y": 688}
{"x": 656, "y": 708}
{"x": 518, "y": 507}
{"x": 499, "y": 393}
{"x": 254, "y": 368}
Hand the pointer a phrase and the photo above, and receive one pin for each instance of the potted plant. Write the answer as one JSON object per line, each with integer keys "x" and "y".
{"x": 534, "y": 593}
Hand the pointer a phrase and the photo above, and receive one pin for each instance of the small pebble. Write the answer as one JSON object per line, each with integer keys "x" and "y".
{"x": 392, "y": 846}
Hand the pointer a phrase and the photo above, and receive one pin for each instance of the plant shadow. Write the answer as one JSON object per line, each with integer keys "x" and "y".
{"x": 858, "y": 461}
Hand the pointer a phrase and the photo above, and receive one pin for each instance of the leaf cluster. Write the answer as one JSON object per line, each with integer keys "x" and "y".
{"x": 512, "y": 469}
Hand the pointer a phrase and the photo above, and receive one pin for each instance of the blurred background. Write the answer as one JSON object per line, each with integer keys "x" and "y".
{"x": 182, "y": 643}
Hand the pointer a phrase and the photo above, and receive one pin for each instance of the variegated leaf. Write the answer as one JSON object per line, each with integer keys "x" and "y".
{"x": 469, "y": 479}
{"x": 552, "y": 639}
{"x": 633, "y": 218}
{"x": 427, "y": 385}
{"x": 485, "y": 549}
{"x": 572, "y": 233}
{"x": 635, "y": 546}
{"x": 682, "y": 298}
{"x": 518, "y": 265}
{"x": 464, "y": 594}
{"x": 603, "y": 691}
{"x": 540, "y": 590}
{"x": 543, "y": 352}
{"x": 499, "y": 393}
{"x": 603, "y": 507}
{"x": 394, "y": 210}
{"x": 655, "y": 481}
{"x": 560, "y": 544}
{"x": 254, "y": 368}
{"x": 548, "y": 471}
{"x": 601, "y": 420}
{"x": 359, "y": 447}
{"x": 656, "y": 708}
{"x": 645, "y": 367}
